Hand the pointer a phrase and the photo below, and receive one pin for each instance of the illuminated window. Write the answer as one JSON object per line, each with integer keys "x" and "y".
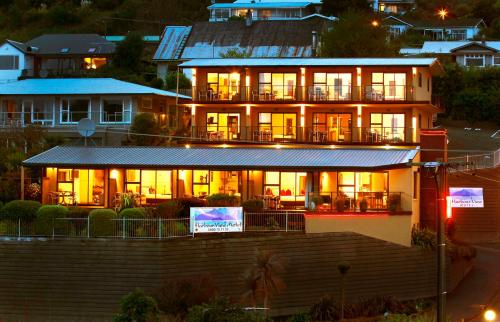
{"x": 224, "y": 125}
{"x": 331, "y": 127}
{"x": 149, "y": 186}
{"x": 387, "y": 127}
{"x": 331, "y": 86}
{"x": 73, "y": 110}
{"x": 387, "y": 86}
{"x": 290, "y": 186}
{"x": 94, "y": 62}
{"x": 274, "y": 86}
{"x": 86, "y": 186}
{"x": 223, "y": 86}
{"x": 277, "y": 126}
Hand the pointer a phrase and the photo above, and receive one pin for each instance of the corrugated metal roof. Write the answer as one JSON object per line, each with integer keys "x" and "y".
{"x": 445, "y": 47}
{"x": 249, "y": 62}
{"x": 79, "y": 86}
{"x": 436, "y": 23}
{"x": 260, "y": 5}
{"x": 287, "y": 38}
{"x": 172, "y": 42}
{"x": 241, "y": 158}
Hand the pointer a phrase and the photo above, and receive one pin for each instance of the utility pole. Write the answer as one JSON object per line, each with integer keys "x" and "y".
{"x": 439, "y": 171}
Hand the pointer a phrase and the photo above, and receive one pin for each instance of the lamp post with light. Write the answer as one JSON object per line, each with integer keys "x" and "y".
{"x": 443, "y": 13}
{"x": 490, "y": 315}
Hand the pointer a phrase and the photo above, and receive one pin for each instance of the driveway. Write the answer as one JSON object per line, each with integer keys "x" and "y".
{"x": 481, "y": 287}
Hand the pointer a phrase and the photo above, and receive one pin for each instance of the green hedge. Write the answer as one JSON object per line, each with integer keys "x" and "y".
{"x": 253, "y": 205}
{"x": 133, "y": 213}
{"x": 20, "y": 209}
{"x": 46, "y": 219}
{"x": 222, "y": 200}
{"x": 167, "y": 209}
{"x": 78, "y": 212}
{"x": 101, "y": 223}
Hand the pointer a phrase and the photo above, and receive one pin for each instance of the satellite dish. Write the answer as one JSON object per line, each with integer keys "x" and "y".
{"x": 86, "y": 127}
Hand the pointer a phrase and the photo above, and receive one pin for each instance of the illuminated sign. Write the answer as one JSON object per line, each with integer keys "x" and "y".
{"x": 216, "y": 219}
{"x": 466, "y": 197}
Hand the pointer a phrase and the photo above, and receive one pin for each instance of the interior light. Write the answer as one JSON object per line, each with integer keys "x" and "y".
{"x": 490, "y": 315}
{"x": 224, "y": 145}
{"x": 332, "y": 147}
{"x": 278, "y": 146}
{"x": 188, "y": 146}
{"x": 387, "y": 146}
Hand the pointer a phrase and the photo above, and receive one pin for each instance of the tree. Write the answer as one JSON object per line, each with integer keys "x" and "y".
{"x": 338, "y": 7}
{"x": 137, "y": 307}
{"x": 146, "y": 124}
{"x": 263, "y": 279}
{"x": 353, "y": 35}
{"x": 235, "y": 53}
{"x": 171, "y": 81}
{"x": 128, "y": 53}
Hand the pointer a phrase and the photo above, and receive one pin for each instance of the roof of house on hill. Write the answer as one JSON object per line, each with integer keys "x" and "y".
{"x": 261, "y": 5}
{"x": 19, "y": 45}
{"x": 291, "y": 38}
{"x": 172, "y": 42}
{"x": 71, "y": 44}
{"x": 436, "y": 23}
{"x": 446, "y": 47}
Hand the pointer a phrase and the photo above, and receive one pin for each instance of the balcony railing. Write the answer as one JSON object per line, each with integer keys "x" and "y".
{"x": 269, "y": 134}
{"x": 375, "y": 200}
{"x": 50, "y": 119}
{"x": 316, "y": 93}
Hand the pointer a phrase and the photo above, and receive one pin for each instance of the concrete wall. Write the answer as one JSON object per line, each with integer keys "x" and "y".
{"x": 392, "y": 228}
{"x": 83, "y": 280}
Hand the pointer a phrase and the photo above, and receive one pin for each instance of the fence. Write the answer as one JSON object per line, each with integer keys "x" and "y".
{"x": 479, "y": 161}
{"x": 125, "y": 228}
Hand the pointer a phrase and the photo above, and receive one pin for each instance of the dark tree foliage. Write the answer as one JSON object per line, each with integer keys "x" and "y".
{"x": 354, "y": 36}
{"x": 337, "y": 7}
{"x": 470, "y": 94}
{"x": 128, "y": 54}
{"x": 144, "y": 123}
{"x": 171, "y": 81}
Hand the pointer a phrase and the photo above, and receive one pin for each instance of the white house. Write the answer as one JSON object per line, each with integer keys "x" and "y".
{"x": 13, "y": 61}
{"x": 392, "y": 6}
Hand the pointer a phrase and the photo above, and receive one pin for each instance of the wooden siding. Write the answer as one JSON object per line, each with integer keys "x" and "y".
{"x": 83, "y": 280}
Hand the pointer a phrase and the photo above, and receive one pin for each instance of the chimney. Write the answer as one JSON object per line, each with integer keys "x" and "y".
{"x": 248, "y": 18}
{"x": 314, "y": 43}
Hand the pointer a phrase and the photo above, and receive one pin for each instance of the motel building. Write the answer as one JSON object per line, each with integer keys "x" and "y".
{"x": 299, "y": 134}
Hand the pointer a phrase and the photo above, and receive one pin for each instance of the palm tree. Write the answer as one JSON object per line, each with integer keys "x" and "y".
{"x": 263, "y": 278}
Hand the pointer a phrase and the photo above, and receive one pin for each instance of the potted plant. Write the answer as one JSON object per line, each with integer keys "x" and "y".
{"x": 363, "y": 205}
{"x": 394, "y": 202}
{"x": 340, "y": 203}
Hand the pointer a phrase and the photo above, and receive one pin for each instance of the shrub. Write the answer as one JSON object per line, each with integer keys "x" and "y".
{"x": 253, "y": 205}
{"x": 394, "y": 202}
{"x": 424, "y": 238}
{"x": 167, "y": 209}
{"x": 222, "y": 200}
{"x": 46, "y": 219}
{"x": 20, "y": 209}
{"x": 133, "y": 213}
{"x": 137, "y": 306}
{"x": 78, "y": 212}
{"x": 101, "y": 222}
{"x": 326, "y": 309}
{"x": 62, "y": 15}
{"x": 185, "y": 205}
{"x": 221, "y": 310}
{"x": 178, "y": 295}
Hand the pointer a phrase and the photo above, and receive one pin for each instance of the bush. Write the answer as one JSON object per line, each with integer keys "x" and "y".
{"x": 424, "y": 238}
{"x": 222, "y": 200}
{"x": 62, "y": 15}
{"x": 78, "y": 212}
{"x": 221, "y": 310}
{"x": 133, "y": 213}
{"x": 145, "y": 123}
{"x": 185, "y": 204}
{"x": 177, "y": 296}
{"x": 167, "y": 209}
{"x": 394, "y": 202}
{"x": 46, "y": 219}
{"x": 101, "y": 222}
{"x": 20, "y": 209}
{"x": 253, "y": 205}
{"x": 139, "y": 307}
{"x": 326, "y": 309}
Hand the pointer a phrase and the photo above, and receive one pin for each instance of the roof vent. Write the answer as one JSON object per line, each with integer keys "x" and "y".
{"x": 64, "y": 50}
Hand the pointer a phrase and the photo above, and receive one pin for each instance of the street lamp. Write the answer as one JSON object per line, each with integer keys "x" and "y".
{"x": 490, "y": 315}
{"x": 375, "y": 23}
{"x": 442, "y": 13}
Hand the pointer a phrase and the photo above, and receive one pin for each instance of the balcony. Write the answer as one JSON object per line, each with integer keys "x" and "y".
{"x": 297, "y": 134}
{"x": 50, "y": 119}
{"x": 290, "y": 93}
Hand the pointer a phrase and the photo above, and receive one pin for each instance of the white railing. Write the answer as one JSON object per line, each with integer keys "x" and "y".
{"x": 478, "y": 161}
{"x": 125, "y": 228}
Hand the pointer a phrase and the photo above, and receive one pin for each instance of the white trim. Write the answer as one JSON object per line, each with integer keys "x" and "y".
{"x": 474, "y": 56}
{"x": 50, "y": 122}
{"x": 89, "y": 108}
{"x": 126, "y": 109}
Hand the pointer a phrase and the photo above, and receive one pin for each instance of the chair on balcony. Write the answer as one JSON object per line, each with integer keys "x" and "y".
{"x": 255, "y": 95}
{"x": 202, "y": 95}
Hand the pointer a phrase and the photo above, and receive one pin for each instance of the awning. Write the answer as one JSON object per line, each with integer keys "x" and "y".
{"x": 223, "y": 158}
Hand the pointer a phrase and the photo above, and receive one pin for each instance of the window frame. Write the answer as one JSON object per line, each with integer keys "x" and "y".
{"x": 126, "y": 110}
{"x": 474, "y": 57}
{"x": 15, "y": 62}
{"x": 69, "y": 99}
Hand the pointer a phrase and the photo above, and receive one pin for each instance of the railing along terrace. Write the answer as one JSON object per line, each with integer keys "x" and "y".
{"x": 477, "y": 161}
{"x": 127, "y": 228}
{"x": 62, "y": 118}
{"x": 375, "y": 200}
{"x": 316, "y": 134}
{"x": 315, "y": 93}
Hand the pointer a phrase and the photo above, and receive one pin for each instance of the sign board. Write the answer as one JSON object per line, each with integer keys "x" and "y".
{"x": 466, "y": 197}
{"x": 216, "y": 219}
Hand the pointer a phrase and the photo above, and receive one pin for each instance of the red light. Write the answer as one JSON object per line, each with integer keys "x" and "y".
{"x": 448, "y": 207}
